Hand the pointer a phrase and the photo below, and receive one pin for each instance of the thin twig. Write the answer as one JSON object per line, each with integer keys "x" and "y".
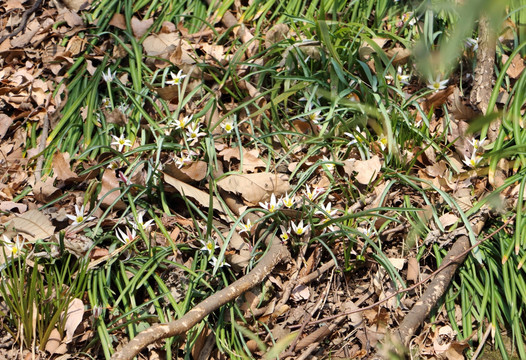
{"x": 414, "y": 286}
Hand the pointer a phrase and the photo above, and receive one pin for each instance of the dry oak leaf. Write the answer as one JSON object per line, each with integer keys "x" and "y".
{"x": 196, "y": 171}
{"x": 33, "y": 225}
{"x": 73, "y": 318}
{"x": 366, "y": 170}
{"x": 140, "y": 27}
{"x": 110, "y": 192}
{"x": 61, "y": 167}
{"x": 202, "y": 197}
{"x": 251, "y": 160}
{"x": 255, "y": 188}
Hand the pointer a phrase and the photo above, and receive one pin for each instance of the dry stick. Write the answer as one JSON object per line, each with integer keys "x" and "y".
{"x": 274, "y": 255}
{"x": 41, "y": 147}
{"x": 23, "y": 22}
{"x": 434, "y": 291}
{"x": 442, "y": 267}
{"x": 483, "y": 74}
{"x": 481, "y": 345}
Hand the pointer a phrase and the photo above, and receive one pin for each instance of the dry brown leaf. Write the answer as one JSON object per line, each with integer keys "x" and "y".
{"x": 10, "y": 205}
{"x": 459, "y": 110}
{"x": 413, "y": 269}
{"x": 73, "y": 318}
{"x": 77, "y": 4}
{"x": 44, "y": 191}
{"x": 448, "y": 219}
{"x": 114, "y": 116}
{"x": 401, "y": 55}
{"x": 119, "y": 21}
{"x": 251, "y": 161}
{"x": 5, "y": 123}
{"x": 255, "y": 188}
{"x": 53, "y": 341}
{"x": 366, "y": 170}
{"x": 73, "y": 19}
{"x": 203, "y": 198}
{"x": 110, "y": 190}
{"x": 196, "y": 171}
{"x": 61, "y": 167}
{"x": 240, "y": 259}
{"x": 516, "y": 67}
{"x": 140, "y": 27}
{"x": 33, "y": 225}
{"x": 276, "y": 34}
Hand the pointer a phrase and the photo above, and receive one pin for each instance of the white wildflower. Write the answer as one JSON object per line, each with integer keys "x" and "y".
{"x": 300, "y": 229}
{"x": 79, "y": 218}
{"x": 121, "y": 142}
{"x": 176, "y": 79}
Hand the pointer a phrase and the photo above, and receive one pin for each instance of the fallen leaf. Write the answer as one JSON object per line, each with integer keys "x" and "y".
{"x": 240, "y": 259}
{"x": 5, "y": 123}
{"x": 448, "y": 219}
{"x": 203, "y": 198}
{"x": 366, "y": 170}
{"x": 413, "y": 270}
{"x": 74, "y": 316}
{"x": 110, "y": 191}
{"x": 196, "y": 171}
{"x": 119, "y": 21}
{"x": 255, "y": 188}
{"x": 33, "y": 225}
{"x": 516, "y": 67}
{"x": 61, "y": 167}
{"x": 140, "y": 27}
{"x": 53, "y": 341}
{"x": 251, "y": 160}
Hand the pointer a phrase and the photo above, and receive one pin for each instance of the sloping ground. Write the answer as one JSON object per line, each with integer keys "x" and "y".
{"x": 351, "y": 201}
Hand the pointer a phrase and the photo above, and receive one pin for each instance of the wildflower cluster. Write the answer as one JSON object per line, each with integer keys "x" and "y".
{"x": 298, "y": 228}
{"x": 209, "y": 247}
{"x": 474, "y": 160}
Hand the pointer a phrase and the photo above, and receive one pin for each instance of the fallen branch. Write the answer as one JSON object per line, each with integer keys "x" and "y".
{"x": 444, "y": 266}
{"x": 434, "y": 291}
{"x": 274, "y": 255}
{"x": 23, "y": 22}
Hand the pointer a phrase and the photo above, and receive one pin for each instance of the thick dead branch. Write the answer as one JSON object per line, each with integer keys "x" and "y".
{"x": 435, "y": 290}
{"x": 274, "y": 255}
{"x": 483, "y": 77}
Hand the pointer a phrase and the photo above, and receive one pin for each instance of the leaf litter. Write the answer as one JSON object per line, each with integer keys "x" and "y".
{"x": 31, "y": 92}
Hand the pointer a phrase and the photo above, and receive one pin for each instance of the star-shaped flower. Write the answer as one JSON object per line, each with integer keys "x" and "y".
{"x": 272, "y": 206}
{"x": 228, "y": 125}
{"x": 108, "y": 77}
{"x": 287, "y": 200}
{"x": 326, "y": 211}
{"x": 176, "y": 79}
{"x": 140, "y": 221}
{"x": 300, "y": 229}
{"x": 121, "y": 142}
{"x": 213, "y": 262}
{"x": 181, "y": 123}
{"x": 12, "y": 249}
{"x": 285, "y": 233}
{"x": 126, "y": 237}
{"x": 209, "y": 246}
{"x": 246, "y": 227}
{"x": 437, "y": 84}
{"x": 312, "y": 195}
{"x": 180, "y": 160}
{"x": 194, "y": 133}
{"x": 79, "y": 218}
{"x": 400, "y": 76}
{"x": 477, "y": 144}
{"x": 473, "y": 161}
